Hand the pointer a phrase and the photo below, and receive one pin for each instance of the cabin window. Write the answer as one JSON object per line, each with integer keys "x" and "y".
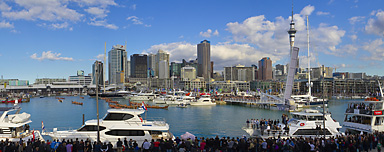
{"x": 304, "y": 132}
{"x": 155, "y": 132}
{"x": 91, "y": 128}
{"x": 126, "y": 133}
{"x": 118, "y": 116}
{"x": 379, "y": 121}
{"x": 314, "y": 118}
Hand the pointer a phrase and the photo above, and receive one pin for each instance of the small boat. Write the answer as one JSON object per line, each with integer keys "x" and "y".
{"x": 41, "y": 96}
{"x": 157, "y": 107}
{"x": 60, "y": 100}
{"x": 114, "y": 106}
{"x": 110, "y": 101}
{"x": 81, "y": 97}
{"x": 182, "y": 106}
{"x": 126, "y": 106}
{"x": 12, "y": 101}
{"x": 77, "y": 103}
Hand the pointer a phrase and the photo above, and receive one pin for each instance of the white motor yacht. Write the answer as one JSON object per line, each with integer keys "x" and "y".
{"x": 14, "y": 126}
{"x": 118, "y": 123}
{"x": 142, "y": 97}
{"x": 204, "y": 100}
{"x": 302, "y": 124}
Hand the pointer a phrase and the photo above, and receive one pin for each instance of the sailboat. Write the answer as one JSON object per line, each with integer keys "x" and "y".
{"x": 308, "y": 99}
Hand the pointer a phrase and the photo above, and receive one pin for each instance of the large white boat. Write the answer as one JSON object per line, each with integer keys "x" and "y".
{"x": 308, "y": 100}
{"x": 204, "y": 100}
{"x": 364, "y": 116}
{"x": 142, "y": 97}
{"x": 302, "y": 124}
{"x": 15, "y": 126}
{"x": 118, "y": 123}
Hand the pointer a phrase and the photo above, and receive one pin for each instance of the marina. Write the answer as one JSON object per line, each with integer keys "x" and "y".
{"x": 208, "y": 121}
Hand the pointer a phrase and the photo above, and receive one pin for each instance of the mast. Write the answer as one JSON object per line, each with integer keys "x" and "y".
{"x": 105, "y": 54}
{"x": 309, "y": 61}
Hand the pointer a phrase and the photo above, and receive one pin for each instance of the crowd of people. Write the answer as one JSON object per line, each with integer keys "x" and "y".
{"x": 342, "y": 143}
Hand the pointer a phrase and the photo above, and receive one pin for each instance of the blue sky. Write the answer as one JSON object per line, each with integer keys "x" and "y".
{"x": 55, "y": 38}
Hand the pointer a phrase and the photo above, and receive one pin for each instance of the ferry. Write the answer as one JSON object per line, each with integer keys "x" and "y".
{"x": 142, "y": 97}
{"x": 302, "y": 124}
{"x": 16, "y": 126}
{"x": 118, "y": 123}
{"x": 364, "y": 117}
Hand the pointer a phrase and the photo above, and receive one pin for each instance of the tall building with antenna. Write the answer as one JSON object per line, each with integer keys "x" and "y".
{"x": 292, "y": 33}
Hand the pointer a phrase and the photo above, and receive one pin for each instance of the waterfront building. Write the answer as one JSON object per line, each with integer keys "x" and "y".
{"x": 357, "y": 75}
{"x": 204, "y": 59}
{"x": 99, "y": 66}
{"x": 319, "y": 72}
{"x": 18, "y": 83}
{"x": 230, "y": 86}
{"x": 239, "y": 73}
{"x": 163, "y": 69}
{"x": 198, "y": 84}
{"x": 49, "y": 80}
{"x": 139, "y": 66}
{"x": 128, "y": 69}
{"x": 265, "y": 69}
{"x": 161, "y": 56}
{"x": 117, "y": 59}
{"x": 80, "y": 78}
{"x": 151, "y": 65}
{"x": 188, "y": 73}
{"x": 176, "y": 69}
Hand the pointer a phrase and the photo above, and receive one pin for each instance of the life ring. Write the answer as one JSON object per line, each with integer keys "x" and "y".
{"x": 302, "y": 124}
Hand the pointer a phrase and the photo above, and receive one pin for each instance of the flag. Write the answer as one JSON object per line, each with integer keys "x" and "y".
{"x": 42, "y": 126}
{"x": 143, "y": 105}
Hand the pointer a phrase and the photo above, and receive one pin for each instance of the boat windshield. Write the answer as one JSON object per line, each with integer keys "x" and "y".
{"x": 315, "y": 118}
{"x": 90, "y": 128}
{"x": 117, "y": 116}
{"x": 358, "y": 119}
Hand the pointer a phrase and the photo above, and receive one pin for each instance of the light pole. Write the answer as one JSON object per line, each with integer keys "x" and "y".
{"x": 97, "y": 102}
{"x": 323, "y": 106}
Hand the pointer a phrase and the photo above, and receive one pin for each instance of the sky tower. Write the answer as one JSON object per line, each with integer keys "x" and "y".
{"x": 292, "y": 33}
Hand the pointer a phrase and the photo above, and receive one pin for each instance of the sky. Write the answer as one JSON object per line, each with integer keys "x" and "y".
{"x": 55, "y": 38}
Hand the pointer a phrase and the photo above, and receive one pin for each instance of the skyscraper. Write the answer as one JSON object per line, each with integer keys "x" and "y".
{"x": 265, "y": 69}
{"x": 99, "y": 66}
{"x": 151, "y": 64}
{"x": 117, "y": 59}
{"x": 204, "y": 59}
{"x": 161, "y": 56}
{"x": 139, "y": 66}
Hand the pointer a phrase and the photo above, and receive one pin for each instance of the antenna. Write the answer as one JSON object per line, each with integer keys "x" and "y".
{"x": 309, "y": 60}
{"x": 292, "y": 12}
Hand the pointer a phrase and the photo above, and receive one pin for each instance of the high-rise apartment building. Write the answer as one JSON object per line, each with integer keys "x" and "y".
{"x": 99, "y": 66}
{"x": 151, "y": 64}
{"x": 204, "y": 59}
{"x": 139, "y": 66}
{"x": 161, "y": 56}
{"x": 117, "y": 59}
{"x": 163, "y": 70}
{"x": 239, "y": 73}
{"x": 265, "y": 69}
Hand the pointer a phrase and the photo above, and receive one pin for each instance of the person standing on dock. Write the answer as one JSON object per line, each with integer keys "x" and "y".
{"x": 247, "y": 123}
{"x": 119, "y": 145}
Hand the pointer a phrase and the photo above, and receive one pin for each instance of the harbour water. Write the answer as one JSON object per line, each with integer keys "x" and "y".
{"x": 208, "y": 121}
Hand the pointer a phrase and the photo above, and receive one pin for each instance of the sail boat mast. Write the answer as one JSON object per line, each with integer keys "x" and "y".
{"x": 309, "y": 60}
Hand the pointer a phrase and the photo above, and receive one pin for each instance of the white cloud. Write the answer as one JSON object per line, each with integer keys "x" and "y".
{"x": 4, "y": 24}
{"x": 100, "y": 57}
{"x": 98, "y": 12}
{"x": 47, "y": 10}
{"x": 376, "y": 25}
{"x": 322, "y": 13}
{"x": 137, "y": 21}
{"x": 4, "y": 6}
{"x": 103, "y": 23}
{"x": 50, "y": 56}
{"x": 307, "y": 10}
{"x": 102, "y": 3}
{"x": 353, "y": 37}
{"x": 209, "y": 33}
{"x": 356, "y": 19}
{"x": 376, "y": 50}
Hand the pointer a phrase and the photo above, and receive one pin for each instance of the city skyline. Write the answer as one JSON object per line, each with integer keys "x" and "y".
{"x": 66, "y": 36}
